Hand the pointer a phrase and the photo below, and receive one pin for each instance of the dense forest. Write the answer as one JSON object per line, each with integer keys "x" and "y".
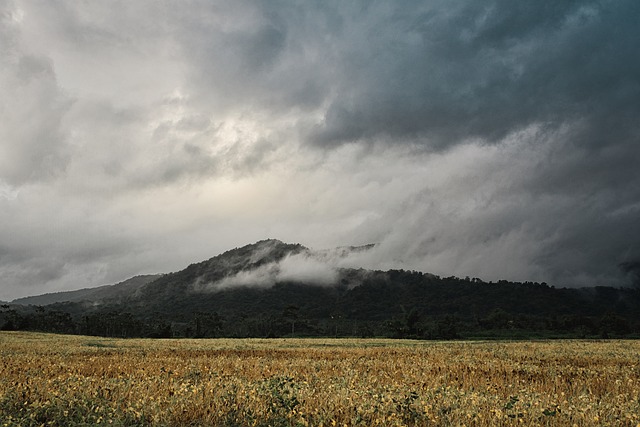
{"x": 361, "y": 303}
{"x": 396, "y": 303}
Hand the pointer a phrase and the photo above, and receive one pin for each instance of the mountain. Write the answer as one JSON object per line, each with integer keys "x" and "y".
{"x": 256, "y": 265}
{"x": 118, "y": 292}
{"x": 272, "y": 288}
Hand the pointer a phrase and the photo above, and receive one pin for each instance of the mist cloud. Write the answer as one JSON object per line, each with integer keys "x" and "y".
{"x": 300, "y": 268}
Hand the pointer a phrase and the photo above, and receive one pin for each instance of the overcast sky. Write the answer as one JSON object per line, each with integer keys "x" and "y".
{"x": 497, "y": 139}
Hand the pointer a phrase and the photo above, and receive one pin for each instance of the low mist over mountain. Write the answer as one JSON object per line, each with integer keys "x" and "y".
{"x": 258, "y": 265}
{"x": 271, "y": 288}
{"x": 117, "y": 292}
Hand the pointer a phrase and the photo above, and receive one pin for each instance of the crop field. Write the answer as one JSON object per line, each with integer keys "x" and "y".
{"x": 76, "y": 380}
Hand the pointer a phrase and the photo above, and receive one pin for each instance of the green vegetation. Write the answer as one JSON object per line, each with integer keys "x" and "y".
{"x": 361, "y": 303}
{"x": 395, "y": 304}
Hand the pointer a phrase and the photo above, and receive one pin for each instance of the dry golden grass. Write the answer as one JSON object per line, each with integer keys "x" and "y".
{"x": 71, "y": 380}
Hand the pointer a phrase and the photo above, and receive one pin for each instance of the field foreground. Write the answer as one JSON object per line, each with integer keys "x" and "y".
{"x": 74, "y": 380}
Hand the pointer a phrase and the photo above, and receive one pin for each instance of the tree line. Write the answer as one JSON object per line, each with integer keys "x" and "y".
{"x": 364, "y": 303}
{"x": 410, "y": 325}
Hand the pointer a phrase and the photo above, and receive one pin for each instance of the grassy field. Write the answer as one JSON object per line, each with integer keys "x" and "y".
{"x": 76, "y": 380}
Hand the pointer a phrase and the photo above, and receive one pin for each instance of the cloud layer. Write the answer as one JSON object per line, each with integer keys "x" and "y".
{"x": 497, "y": 140}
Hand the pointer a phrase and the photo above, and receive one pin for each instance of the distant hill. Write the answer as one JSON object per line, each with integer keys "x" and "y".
{"x": 117, "y": 292}
{"x": 271, "y": 288}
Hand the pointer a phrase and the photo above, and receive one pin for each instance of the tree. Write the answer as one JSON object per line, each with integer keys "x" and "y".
{"x": 632, "y": 270}
{"x": 207, "y": 325}
{"x": 291, "y": 314}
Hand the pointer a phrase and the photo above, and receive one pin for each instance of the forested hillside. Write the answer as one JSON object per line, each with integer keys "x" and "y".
{"x": 251, "y": 292}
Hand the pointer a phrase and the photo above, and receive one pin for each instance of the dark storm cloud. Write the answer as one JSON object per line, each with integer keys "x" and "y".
{"x": 449, "y": 71}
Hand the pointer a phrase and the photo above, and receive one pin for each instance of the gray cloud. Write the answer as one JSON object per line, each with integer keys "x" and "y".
{"x": 32, "y": 141}
{"x": 495, "y": 139}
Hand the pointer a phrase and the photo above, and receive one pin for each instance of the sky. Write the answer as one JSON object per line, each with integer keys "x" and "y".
{"x": 496, "y": 139}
